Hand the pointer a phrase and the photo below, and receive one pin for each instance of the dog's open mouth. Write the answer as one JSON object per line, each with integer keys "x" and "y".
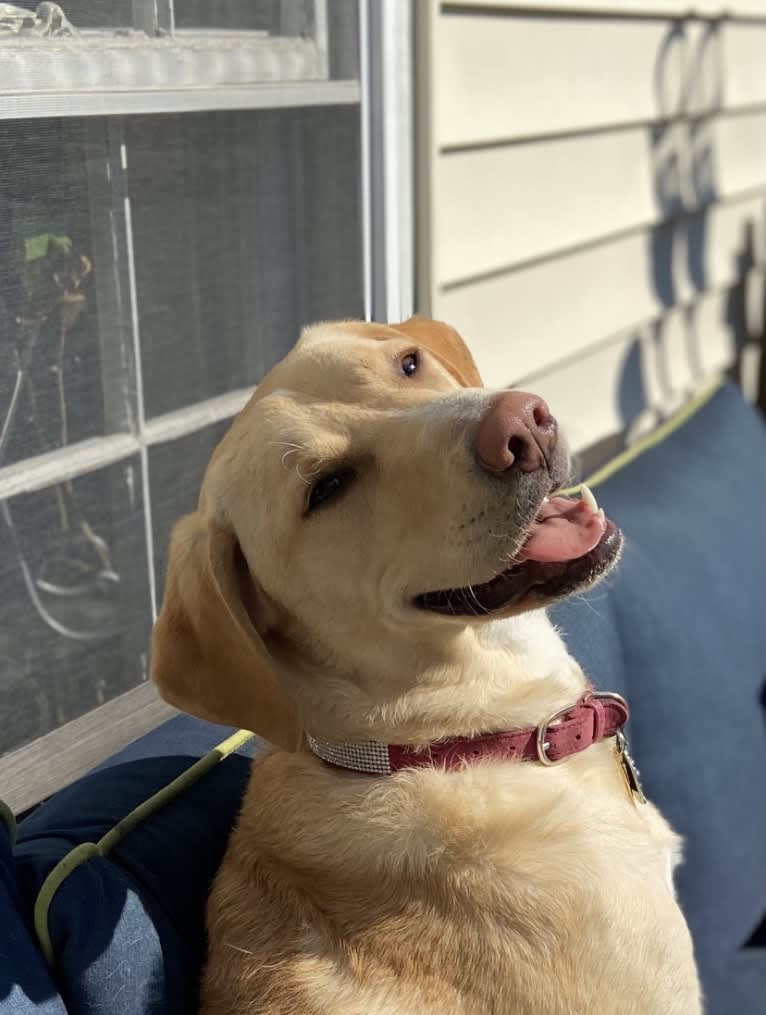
{"x": 569, "y": 544}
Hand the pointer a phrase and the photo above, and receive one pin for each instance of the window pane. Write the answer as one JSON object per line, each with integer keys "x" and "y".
{"x": 73, "y": 598}
{"x": 175, "y": 475}
{"x": 274, "y": 17}
{"x": 79, "y": 13}
{"x": 246, "y": 226}
{"x": 53, "y": 229}
{"x": 277, "y": 17}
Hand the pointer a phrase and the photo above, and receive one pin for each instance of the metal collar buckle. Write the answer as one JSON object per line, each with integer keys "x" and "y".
{"x": 543, "y": 745}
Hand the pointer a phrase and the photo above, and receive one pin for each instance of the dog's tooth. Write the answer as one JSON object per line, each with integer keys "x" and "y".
{"x": 589, "y": 499}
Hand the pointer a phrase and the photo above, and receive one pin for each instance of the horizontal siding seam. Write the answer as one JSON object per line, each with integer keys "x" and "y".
{"x": 590, "y": 13}
{"x": 615, "y": 337}
{"x": 602, "y": 239}
{"x": 614, "y": 127}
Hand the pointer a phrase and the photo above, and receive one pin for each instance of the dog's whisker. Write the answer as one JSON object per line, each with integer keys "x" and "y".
{"x": 476, "y": 600}
{"x": 287, "y": 444}
{"x": 292, "y": 449}
{"x": 307, "y": 477}
{"x": 585, "y": 601}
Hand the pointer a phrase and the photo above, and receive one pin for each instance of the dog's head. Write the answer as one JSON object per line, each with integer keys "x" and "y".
{"x": 372, "y": 493}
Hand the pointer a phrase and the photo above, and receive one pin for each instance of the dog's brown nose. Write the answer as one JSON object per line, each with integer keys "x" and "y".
{"x": 517, "y": 432}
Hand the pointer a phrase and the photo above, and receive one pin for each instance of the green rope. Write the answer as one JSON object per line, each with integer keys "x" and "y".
{"x": 672, "y": 423}
{"x": 51, "y": 885}
{"x": 107, "y": 842}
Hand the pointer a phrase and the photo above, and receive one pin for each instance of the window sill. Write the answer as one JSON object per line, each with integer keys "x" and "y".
{"x": 127, "y": 102}
{"x": 101, "y": 74}
{"x": 35, "y": 771}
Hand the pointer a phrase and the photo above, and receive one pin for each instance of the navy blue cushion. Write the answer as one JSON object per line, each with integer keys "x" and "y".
{"x": 26, "y": 987}
{"x": 128, "y": 929}
{"x": 679, "y": 629}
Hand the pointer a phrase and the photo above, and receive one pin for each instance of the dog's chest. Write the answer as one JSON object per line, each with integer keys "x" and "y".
{"x": 478, "y": 944}
{"x": 507, "y": 892}
{"x": 530, "y": 934}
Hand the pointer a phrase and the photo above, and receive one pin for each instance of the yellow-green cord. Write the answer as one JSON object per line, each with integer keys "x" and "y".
{"x": 672, "y": 423}
{"x": 86, "y": 850}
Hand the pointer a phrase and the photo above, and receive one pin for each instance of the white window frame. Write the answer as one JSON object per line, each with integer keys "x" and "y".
{"x": 385, "y": 97}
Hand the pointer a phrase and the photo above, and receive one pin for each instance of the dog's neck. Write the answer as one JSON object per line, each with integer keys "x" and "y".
{"x": 502, "y": 675}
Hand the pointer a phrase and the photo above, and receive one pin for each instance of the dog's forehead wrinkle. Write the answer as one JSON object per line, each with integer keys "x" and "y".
{"x": 309, "y": 444}
{"x": 331, "y": 431}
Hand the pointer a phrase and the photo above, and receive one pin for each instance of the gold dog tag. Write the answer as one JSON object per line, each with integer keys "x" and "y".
{"x": 629, "y": 771}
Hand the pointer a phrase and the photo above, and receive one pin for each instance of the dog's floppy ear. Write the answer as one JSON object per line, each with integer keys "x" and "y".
{"x": 447, "y": 345}
{"x": 207, "y": 657}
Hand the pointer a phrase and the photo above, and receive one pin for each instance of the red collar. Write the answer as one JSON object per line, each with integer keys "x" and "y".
{"x": 595, "y": 716}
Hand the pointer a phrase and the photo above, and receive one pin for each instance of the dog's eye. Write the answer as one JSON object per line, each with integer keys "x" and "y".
{"x": 328, "y": 487}
{"x": 410, "y": 364}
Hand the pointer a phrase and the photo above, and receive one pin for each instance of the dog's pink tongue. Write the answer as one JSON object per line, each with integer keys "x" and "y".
{"x": 563, "y": 530}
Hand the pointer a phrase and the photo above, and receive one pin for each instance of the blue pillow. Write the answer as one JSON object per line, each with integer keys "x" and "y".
{"x": 679, "y": 629}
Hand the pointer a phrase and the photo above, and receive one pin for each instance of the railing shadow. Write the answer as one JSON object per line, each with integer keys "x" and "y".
{"x": 669, "y": 356}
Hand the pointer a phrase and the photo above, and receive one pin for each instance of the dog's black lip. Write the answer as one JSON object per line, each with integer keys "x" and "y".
{"x": 544, "y": 581}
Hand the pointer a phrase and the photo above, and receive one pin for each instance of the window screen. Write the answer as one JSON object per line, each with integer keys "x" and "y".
{"x": 180, "y": 191}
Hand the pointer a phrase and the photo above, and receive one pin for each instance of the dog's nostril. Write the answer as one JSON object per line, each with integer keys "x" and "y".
{"x": 541, "y": 414}
{"x": 517, "y": 446}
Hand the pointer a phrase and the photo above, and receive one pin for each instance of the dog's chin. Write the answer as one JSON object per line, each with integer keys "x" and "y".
{"x": 546, "y": 567}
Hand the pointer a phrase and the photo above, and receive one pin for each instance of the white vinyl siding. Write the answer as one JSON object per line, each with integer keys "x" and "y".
{"x": 590, "y": 175}
{"x": 538, "y": 76}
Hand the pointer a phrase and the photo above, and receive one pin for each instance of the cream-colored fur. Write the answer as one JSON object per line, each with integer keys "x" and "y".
{"x": 504, "y": 887}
